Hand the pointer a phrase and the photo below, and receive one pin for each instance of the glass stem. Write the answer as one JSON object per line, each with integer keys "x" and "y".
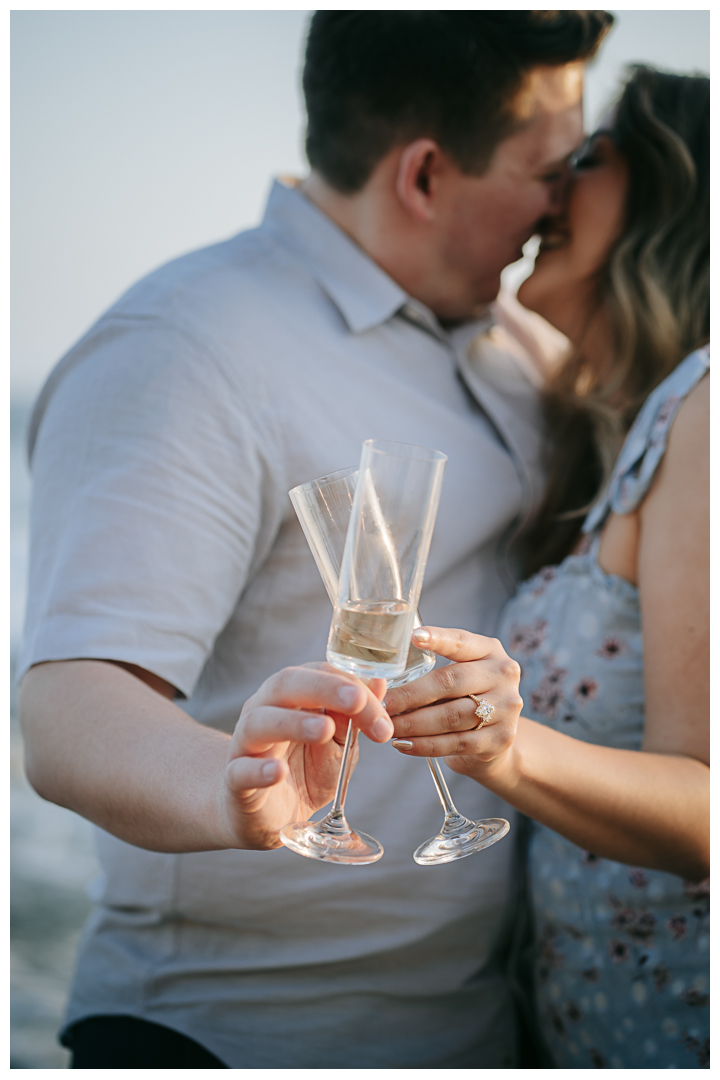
{"x": 451, "y": 814}
{"x": 336, "y": 818}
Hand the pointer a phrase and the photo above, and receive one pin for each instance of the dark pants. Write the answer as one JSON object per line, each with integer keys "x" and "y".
{"x": 124, "y": 1042}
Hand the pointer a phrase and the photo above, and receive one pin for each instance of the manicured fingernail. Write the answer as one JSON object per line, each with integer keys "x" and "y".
{"x": 382, "y": 729}
{"x": 421, "y": 635}
{"x": 269, "y": 770}
{"x": 313, "y": 726}
{"x": 349, "y": 696}
{"x": 402, "y": 744}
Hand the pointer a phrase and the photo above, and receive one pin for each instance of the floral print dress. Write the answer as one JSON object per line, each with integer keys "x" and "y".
{"x": 622, "y": 953}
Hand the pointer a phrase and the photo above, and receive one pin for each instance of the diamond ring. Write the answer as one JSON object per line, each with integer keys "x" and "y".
{"x": 484, "y": 711}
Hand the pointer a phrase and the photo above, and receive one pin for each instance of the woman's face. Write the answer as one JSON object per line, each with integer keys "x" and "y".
{"x": 576, "y": 242}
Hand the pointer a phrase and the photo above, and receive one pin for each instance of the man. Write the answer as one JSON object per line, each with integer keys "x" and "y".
{"x": 166, "y": 564}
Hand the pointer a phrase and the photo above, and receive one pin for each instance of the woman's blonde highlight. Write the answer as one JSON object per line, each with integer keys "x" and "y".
{"x": 654, "y": 289}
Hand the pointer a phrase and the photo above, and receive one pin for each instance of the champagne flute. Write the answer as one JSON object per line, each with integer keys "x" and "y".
{"x": 386, "y": 547}
{"x": 323, "y": 507}
{"x": 385, "y": 551}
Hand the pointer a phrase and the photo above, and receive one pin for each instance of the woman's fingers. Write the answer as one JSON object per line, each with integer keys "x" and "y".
{"x": 457, "y": 645}
{"x": 481, "y": 666}
{"x": 454, "y": 681}
{"x": 452, "y": 728}
{"x": 484, "y": 744}
{"x": 436, "y": 716}
{"x": 450, "y": 716}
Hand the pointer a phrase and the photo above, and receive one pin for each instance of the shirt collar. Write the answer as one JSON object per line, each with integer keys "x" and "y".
{"x": 364, "y": 294}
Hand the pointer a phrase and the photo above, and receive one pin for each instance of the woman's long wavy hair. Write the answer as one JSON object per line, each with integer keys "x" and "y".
{"x": 655, "y": 288}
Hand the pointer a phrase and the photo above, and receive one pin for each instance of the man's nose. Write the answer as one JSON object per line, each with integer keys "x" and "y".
{"x": 559, "y": 191}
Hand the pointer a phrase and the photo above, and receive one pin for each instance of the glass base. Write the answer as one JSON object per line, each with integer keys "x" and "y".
{"x": 460, "y": 838}
{"x": 331, "y": 841}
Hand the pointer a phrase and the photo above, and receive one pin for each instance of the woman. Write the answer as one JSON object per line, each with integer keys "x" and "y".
{"x": 610, "y": 757}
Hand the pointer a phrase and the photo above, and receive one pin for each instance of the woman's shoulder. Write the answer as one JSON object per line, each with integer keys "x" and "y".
{"x": 664, "y": 402}
{"x": 647, "y": 440}
{"x": 694, "y": 409}
{"x": 688, "y": 443}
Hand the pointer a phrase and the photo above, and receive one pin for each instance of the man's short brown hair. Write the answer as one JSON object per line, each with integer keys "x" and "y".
{"x": 375, "y": 79}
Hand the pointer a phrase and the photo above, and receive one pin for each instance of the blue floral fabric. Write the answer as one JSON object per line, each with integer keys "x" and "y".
{"x": 622, "y": 953}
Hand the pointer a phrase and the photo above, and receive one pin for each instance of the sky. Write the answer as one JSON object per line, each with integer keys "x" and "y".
{"x": 139, "y": 135}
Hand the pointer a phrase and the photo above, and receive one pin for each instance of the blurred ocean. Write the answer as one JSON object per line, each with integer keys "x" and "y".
{"x": 52, "y": 857}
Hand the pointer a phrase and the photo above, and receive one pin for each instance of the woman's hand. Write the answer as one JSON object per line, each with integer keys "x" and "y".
{"x": 435, "y": 717}
{"x": 285, "y": 752}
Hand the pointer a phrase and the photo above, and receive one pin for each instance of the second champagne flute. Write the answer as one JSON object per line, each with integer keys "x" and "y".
{"x": 384, "y": 558}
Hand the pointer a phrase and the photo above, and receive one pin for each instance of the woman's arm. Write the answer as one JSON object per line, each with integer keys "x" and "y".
{"x": 641, "y": 808}
{"x": 648, "y": 808}
{"x": 674, "y": 583}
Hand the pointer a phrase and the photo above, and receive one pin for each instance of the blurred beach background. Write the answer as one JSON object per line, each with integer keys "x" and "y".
{"x": 137, "y": 136}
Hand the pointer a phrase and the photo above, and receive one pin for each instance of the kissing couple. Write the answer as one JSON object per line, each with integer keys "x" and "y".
{"x": 171, "y": 590}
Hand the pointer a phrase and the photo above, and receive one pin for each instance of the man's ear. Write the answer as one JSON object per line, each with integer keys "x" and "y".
{"x": 418, "y": 172}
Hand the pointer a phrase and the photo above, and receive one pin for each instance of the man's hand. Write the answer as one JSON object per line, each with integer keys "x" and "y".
{"x": 285, "y": 753}
{"x": 108, "y": 744}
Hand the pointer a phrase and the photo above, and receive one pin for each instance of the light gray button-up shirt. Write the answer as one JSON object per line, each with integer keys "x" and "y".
{"x": 163, "y": 447}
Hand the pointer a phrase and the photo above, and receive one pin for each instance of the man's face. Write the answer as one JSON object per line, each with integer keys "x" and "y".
{"x": 484, "y": 221}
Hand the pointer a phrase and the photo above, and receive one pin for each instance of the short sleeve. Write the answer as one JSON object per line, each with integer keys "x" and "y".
{"x": 157, "y": 486}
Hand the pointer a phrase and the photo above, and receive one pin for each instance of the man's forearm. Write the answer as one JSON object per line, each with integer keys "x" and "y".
{"x": 102, "y": 743}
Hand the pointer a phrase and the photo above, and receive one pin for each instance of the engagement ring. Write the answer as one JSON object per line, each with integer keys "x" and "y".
{"x": 484, "y": 710}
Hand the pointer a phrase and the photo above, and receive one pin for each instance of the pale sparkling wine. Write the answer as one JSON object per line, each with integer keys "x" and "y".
{"x": 415, "y": 657}
{"x": 370, "y": 637}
